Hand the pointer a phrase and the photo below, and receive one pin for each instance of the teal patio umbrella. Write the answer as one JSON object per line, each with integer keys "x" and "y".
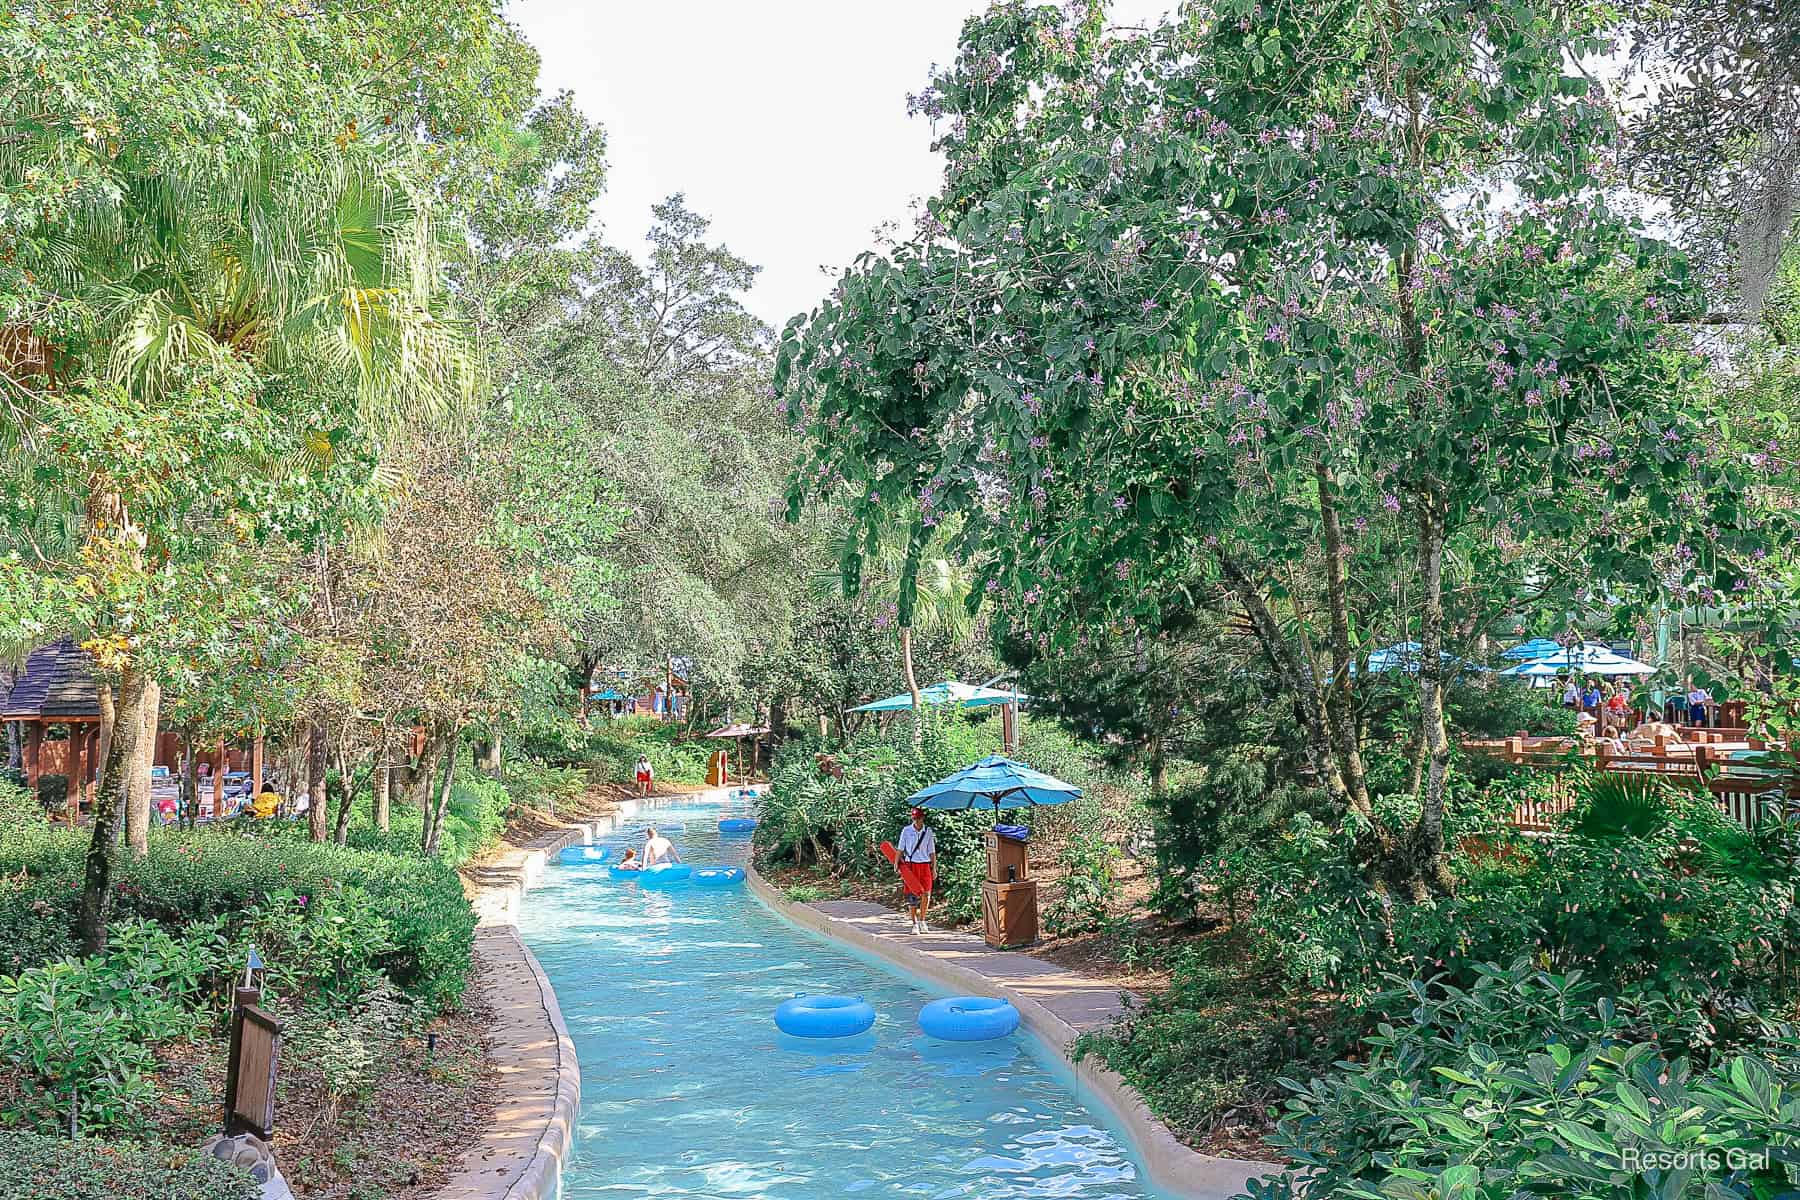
{"x": 995, "y": 781}
{"x": 951, "y": 691}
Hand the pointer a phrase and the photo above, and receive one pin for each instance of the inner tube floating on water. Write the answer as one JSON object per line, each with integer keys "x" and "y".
{"x": 664, "y": 875}
{"x": 717, "y": 876}
{"x": 640, "y": 828}
{"x": 623, "y": 874}
{"x": 585, "y": 854}
{"x": 968, "y": 1019}
{"x": 824, "y": 1016}
{"x": 737, "y": 824}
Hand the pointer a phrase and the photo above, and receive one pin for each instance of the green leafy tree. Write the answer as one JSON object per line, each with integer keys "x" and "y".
{"x": 1199, "y": 303}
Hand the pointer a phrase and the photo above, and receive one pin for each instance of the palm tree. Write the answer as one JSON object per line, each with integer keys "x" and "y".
{"x": 915, "y": 585}
{"x": 308, "y": 267}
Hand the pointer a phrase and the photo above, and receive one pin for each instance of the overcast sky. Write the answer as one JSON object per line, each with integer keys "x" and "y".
{"x": 783, "y": 121}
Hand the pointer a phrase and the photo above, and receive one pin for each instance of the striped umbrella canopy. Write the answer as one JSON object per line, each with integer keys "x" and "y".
{"x": 951, "y": 691}
{"x": 1535, "y": 648}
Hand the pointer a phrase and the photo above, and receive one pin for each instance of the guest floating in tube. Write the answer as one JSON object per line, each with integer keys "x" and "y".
{"x": 629, "y": 862}
{"x": 658, "y": 849}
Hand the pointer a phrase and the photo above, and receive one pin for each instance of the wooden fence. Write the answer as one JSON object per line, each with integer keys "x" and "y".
{"x": 1702, "y": 759}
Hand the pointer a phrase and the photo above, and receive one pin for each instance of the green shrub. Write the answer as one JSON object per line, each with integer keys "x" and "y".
{"x": 1089, "y": 882}
{"x": 1529, "y": 1084}
{"x": 52, "y": 1168}
{"x": 194, "y": 876}
{"x": 533, "y": 785}
{"x": 53, "y": 792}
{"x": 1214, "y": 1042}
{"x": 1630, "y": 912}
{"x": 79, "y": 1032}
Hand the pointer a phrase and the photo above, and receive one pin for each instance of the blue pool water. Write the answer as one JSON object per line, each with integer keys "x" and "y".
{"x": 688, "y": 1090}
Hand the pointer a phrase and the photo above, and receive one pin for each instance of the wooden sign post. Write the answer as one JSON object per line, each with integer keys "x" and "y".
{"x": 255, "y": 1052}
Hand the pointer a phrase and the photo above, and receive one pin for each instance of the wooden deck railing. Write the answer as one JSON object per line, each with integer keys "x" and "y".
{"x": 1741, "y": 790}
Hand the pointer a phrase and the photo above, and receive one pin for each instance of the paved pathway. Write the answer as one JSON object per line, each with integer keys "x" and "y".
{"x": 1081, "y": 1003}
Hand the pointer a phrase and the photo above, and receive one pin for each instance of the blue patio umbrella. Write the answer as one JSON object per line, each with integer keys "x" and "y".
{"x": 1590, "y": 658}
{"x": 951, "y": 691}
{"x": 608, "y": 694}
{"x": 1405, "y": 656}
{"x": 997, "y": 781}
{"x": 1535, "y": 648}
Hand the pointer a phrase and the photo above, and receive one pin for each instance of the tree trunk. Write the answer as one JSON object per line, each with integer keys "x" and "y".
{"x": 190, "y": 781}
{"x": 906, "y": 665}
{"x": 109, "y": 797}
{"x": 1427, "y": 849}
{"x": 1340, "y": 714}
{"x": 108, "y": 718}
{"x": 1159, "y": 768}
{"x": 382, "y": 800}
{"x": 346, "y": 798}
{"x": 1295, "y": 676}
{"x": 490, "y": 754}
{"x": 436, "y": 826}
{"x": 317, "y": 812}
{"x": 137, "y": 787}
{"x": 421, "y": 784}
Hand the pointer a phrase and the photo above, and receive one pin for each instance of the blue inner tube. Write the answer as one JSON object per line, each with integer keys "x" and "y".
{"x": 640, "y": 828}
{"x": 824, "y": 1016}
{"x": 717, "y": 876}
{"x": 622, "y": 874}
{"x": 968, "y": 1018}
{"x": 584, "y": 854}
{"x": 664, "y": 875}
{"x": 737, "y": 824}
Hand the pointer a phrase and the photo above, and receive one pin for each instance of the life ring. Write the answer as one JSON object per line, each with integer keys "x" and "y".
{"x": 737, "y": 824}
{"x": 824, "y": 1016}
{"x": 968, "y": 1018}
{"x": 717, "y": 876}
{"x": 584, "y": 854}
{"x": 664, "y": 874}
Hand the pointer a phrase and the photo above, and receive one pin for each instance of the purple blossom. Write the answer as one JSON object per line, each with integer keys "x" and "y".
{"x": 1120, "y": 504}
{"x": 1275, "y": 333}
{"x": 1122, "y": 570}
{"x": 1391, "y": 502}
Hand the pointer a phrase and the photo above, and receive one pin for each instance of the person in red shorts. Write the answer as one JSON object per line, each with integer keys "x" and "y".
{"x": 915, "y": 857}
{"x": 645, "y": 775}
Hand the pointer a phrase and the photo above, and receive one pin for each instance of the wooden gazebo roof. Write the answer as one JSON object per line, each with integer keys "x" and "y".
{"x": 57, "y": 685}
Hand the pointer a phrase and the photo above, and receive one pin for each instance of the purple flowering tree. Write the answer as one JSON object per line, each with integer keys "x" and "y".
{"x": 1328, "y": 316}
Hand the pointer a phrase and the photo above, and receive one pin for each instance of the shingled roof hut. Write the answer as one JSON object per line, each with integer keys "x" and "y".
{"x": 58, "y": 687}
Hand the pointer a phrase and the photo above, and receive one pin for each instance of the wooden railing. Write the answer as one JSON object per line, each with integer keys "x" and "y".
{"x": 1742, "y": 790}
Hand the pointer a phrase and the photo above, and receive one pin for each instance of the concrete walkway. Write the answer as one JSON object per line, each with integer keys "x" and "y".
{"x": 520, "y": 1154}
{"x": 1082, "y": 1004}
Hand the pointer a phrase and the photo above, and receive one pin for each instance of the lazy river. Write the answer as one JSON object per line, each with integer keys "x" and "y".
{"x": 688, "y": 1090}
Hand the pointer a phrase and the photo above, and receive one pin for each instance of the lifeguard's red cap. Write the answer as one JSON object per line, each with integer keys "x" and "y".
{"x": 918, "y": 812}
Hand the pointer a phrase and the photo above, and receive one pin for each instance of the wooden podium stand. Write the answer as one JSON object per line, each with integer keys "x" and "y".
{"x": 1009, "y": 913}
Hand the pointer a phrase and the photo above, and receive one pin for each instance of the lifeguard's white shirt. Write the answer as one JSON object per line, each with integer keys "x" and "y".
{"x": 917, "y": 845}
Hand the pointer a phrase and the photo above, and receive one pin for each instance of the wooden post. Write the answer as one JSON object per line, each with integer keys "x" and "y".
{"x": 219, "y": 783}
{"x": 1515, "y": 748}
{"x": 34, "y": 748}
{"x": 76, "y": 765}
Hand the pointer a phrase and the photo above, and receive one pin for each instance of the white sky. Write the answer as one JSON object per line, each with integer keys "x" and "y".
{"x": 783, "y": 121}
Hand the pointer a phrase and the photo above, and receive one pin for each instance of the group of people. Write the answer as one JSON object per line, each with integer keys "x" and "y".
{"x": 658, "y": 851}
{"x": 1604, "y": 707}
